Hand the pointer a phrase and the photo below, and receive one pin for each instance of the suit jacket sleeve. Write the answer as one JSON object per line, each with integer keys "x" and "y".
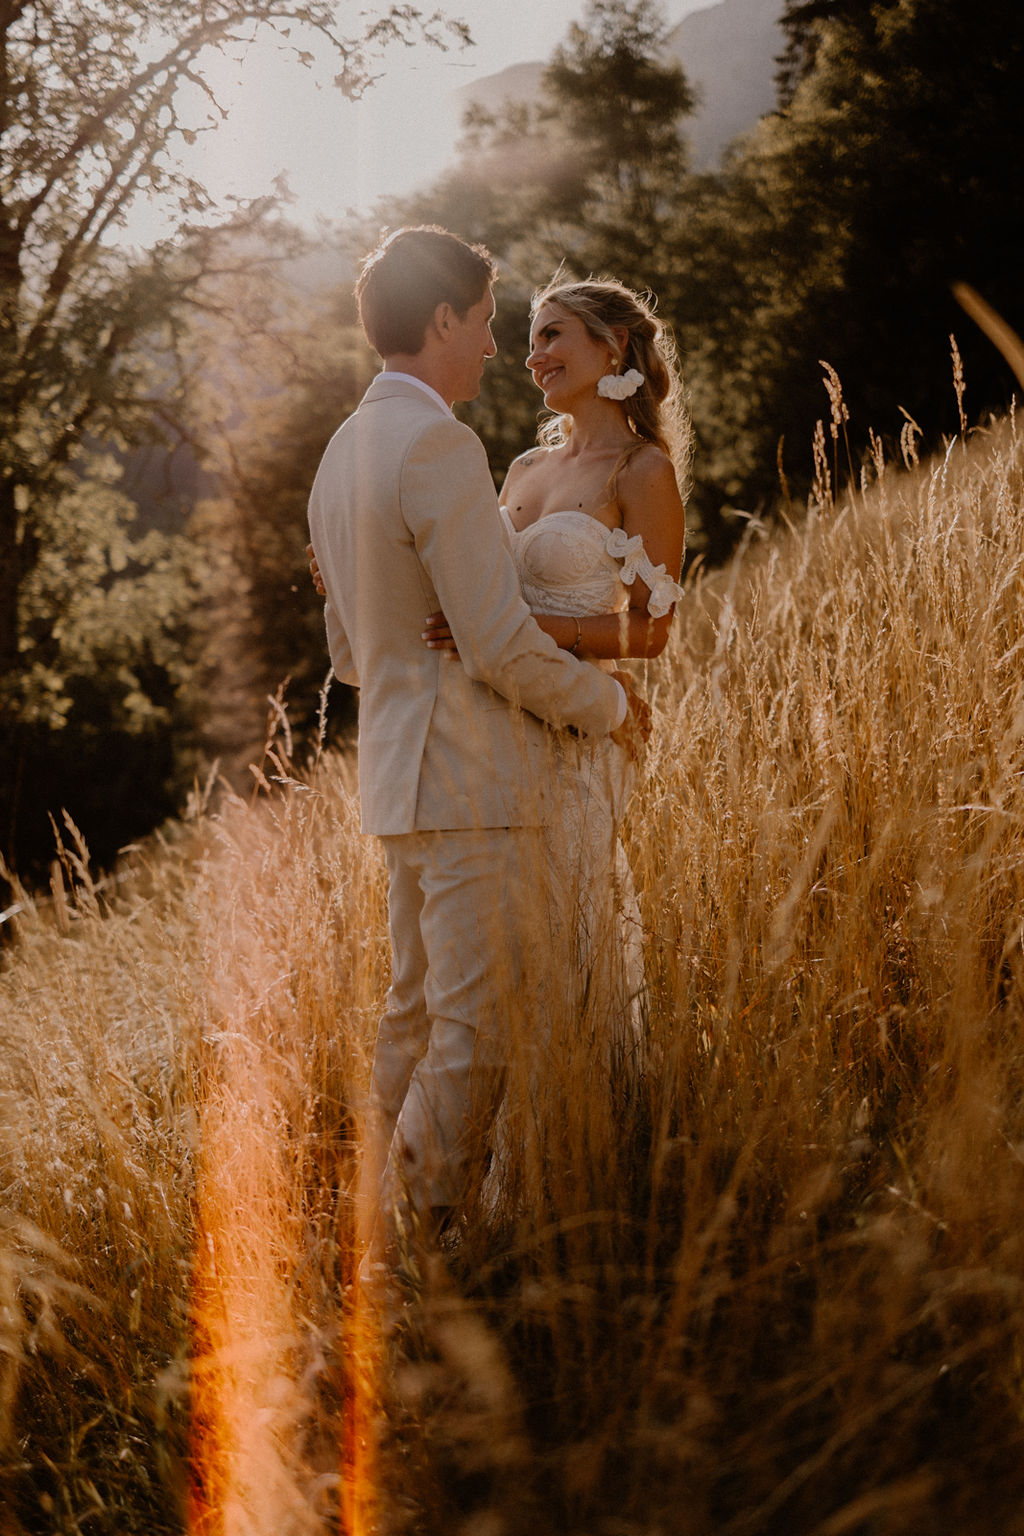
{"x": 339, "y": 648}
{"x": 450, "y": 507}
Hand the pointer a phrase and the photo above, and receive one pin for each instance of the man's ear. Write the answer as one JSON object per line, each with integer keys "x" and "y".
{"x": 443, "y": 320}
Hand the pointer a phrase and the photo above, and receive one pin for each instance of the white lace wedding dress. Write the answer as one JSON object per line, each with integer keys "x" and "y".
{"x": 569, "y": 563}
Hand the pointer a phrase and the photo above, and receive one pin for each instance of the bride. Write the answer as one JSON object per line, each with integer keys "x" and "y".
{"x": 596, "y": 522}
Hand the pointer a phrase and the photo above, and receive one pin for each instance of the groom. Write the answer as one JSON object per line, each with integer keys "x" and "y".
{"x": 452, "y": 755}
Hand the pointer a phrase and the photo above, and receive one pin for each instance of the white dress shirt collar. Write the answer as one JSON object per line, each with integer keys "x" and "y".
{"x": 409, "y": 378}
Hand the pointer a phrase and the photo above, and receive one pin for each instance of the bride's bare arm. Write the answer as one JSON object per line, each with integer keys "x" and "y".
{"x": 608, "y": 636}
{"x": 601, "y": 636}
{"x": 562, "y": 628}
{"x": 651, "y": 506}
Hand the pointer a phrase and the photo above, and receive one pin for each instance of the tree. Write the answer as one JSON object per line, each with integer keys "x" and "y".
{"x": 621, "y": 106}
{"x": 590, "y": 171}
{"x": 95, "y": 102}
{"x": 273, "y": 408}
{"x": 620, "y": 100}
{"x": 588, "y": 175}
{"x": 106, "y": 615}
{"x": 801, "y": 23}
{"x": 850, "y": 213}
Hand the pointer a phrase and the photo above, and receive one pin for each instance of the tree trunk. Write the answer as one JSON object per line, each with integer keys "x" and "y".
{"x": 10, "y": 583}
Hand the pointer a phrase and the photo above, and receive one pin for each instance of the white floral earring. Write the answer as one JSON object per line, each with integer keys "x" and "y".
{"x": 619, "y": 386}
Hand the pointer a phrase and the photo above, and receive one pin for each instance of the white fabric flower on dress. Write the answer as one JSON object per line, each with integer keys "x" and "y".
{"x": 664, "y": 592}
{"x": 629, "y": 550}
{"x": 619, "y": 386}
{"x": 636, "y": 562}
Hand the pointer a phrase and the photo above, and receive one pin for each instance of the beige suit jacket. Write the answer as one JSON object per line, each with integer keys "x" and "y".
{"x": 404, "y": 521}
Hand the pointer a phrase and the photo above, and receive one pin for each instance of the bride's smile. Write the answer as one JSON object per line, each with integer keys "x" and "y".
{"x": 565, "y": 359}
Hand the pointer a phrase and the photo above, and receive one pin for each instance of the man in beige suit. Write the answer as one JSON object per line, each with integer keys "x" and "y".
{"x": 453, "y": 762}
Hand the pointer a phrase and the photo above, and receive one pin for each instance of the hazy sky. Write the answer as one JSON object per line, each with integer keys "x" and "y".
{"x": 338, "y": 155}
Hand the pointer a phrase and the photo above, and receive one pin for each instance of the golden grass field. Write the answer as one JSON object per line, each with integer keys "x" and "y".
{"x": 780, "y": 1291}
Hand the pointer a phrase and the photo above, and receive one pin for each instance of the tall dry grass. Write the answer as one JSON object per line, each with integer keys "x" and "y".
{"x": 770, "y": 1283}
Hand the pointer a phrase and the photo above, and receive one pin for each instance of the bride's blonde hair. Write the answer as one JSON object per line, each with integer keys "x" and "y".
{"x": 658, "y": 412}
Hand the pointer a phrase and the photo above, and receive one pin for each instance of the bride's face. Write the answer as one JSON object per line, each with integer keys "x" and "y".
{"x": 565, "y": 359}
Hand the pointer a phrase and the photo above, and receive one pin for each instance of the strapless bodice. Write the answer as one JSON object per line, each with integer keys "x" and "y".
{"x": 568, "y": 562}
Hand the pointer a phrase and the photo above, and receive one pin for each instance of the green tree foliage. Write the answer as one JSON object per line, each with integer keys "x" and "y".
{"x": 587, "y": 179}
{"x": 590, "y": 173}
{"x": 800, "y": 24}
{"x": 273, "y": 408}
{"x": 106, "y": 665}
{"x": 95, "y": 102}
{"x": 622, "y": 106}
{"x": 848, "y": 216}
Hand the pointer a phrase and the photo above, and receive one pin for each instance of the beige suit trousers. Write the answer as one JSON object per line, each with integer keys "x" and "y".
{"x": 466, "y": 914}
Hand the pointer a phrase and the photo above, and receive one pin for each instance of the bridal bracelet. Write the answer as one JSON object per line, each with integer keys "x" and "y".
{"x": 579, "y": 636}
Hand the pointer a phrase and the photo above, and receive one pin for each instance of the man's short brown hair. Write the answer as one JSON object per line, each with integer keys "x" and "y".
{"x": 408, "y": 274}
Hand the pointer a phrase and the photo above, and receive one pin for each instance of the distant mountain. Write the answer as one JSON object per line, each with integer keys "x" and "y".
{"x": 519, "y": 82}
{"x": 728, "y": 52}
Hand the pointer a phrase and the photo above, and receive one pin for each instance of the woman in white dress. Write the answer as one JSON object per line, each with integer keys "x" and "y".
{"x": 596, "y": 522}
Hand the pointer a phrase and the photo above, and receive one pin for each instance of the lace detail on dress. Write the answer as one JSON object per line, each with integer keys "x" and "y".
{"x": 568, "y": 562}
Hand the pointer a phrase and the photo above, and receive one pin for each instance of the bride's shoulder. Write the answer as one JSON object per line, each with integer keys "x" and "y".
{"x": 525, "y": 463}
{"x": 533, "y": 456}
{"x": 647, "y": 467}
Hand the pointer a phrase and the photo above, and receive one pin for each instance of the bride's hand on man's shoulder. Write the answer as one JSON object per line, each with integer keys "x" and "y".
{"x": 437, "y": 636}
{"x": 635, "y": 729}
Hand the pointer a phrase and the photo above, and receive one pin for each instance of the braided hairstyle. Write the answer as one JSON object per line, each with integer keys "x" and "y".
{"x": 658, "y": 412}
